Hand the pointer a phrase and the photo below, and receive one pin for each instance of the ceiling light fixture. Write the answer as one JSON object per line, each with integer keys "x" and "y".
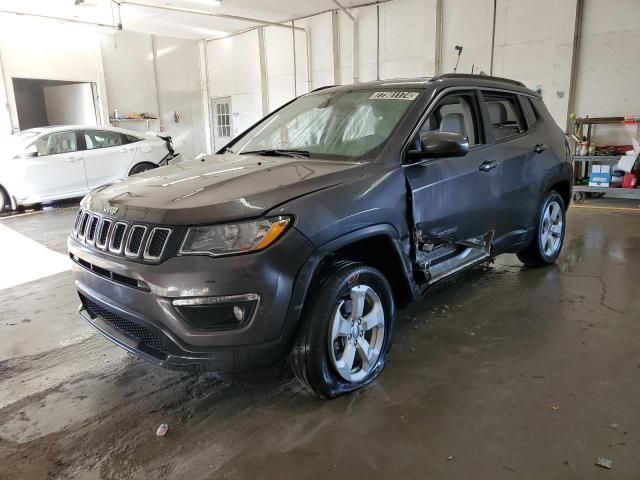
{"x": 209, "y": 3}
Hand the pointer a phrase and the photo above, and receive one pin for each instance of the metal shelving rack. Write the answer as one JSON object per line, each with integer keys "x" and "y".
{"x": 581, "y": 163}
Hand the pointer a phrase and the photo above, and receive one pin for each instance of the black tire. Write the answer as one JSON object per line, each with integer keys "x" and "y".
{"x": 536, "y": 254}
{"x": 4, "y": 200}
{"x": 311, "y": 360}
{"x": 142, "y": 167}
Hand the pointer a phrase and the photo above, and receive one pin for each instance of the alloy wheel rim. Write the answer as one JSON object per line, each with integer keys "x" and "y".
{"x": 356, "y": 333}
{"x": 551, "y": 229}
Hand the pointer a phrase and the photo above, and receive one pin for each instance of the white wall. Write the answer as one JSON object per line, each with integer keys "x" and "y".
{"x": 280, "y": 66}
{"x": 70, "y": 104}
{"x": 178, "y": 69}
{"x": 407, "y": 38}
{"x": 467, "y": 23}
{"x": 127, "y": 60}
{"x": 234, "y": 71}
{"x": 32, "y": 48}
{"x": 130, "y": 78}
{"x": 534, "y": 44}
{"x": 609, "y": 66}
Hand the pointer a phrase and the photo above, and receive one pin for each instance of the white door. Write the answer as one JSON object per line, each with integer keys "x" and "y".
{"x": 58, "y": 169}
{"x": 221, "y": 124}
{"x": 107, "y": 156}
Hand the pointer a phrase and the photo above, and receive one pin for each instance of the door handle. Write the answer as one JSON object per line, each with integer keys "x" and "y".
{"x": 488, "y": 165}
{"x": 70, "y": 159}
{"x": 124, "y": 150}
{"x": 539, "y": 148}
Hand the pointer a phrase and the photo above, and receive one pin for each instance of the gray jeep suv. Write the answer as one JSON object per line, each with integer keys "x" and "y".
{"x": 300, "y": 238}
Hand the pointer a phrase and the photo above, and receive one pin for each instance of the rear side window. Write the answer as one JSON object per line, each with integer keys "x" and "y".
{"x": 505, "y": 116}
{"x": 455, "y": 114}
{"x": 102, "y": 139}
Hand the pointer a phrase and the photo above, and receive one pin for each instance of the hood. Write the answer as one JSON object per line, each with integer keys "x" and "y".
{"x": 217, "y": 188}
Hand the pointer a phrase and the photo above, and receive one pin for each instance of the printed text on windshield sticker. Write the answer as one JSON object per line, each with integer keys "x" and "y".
{"x": 394, "y": 96}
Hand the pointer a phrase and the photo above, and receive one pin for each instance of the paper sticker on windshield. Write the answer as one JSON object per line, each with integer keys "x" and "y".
{"x": 394, "y": 95}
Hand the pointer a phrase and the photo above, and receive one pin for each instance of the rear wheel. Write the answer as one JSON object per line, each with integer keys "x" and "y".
{"x": 4, "y": 200}
{"x": 547, "y": 243}
{"x": 142, "y": 167}
{"x": 346, "y": 330}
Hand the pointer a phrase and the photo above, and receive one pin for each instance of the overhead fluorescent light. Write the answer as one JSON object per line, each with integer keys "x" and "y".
{"x": 208, "y": 3}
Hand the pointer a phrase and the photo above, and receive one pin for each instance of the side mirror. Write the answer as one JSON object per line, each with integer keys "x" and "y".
{"x": 440, "y": 145}
{"x": 30, "y": 151}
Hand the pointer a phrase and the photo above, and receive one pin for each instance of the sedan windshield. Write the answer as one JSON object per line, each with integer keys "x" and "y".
{"x": 334, "y": 125}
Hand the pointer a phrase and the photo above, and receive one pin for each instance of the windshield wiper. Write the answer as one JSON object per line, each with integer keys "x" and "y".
{"x": 279, "y": 153}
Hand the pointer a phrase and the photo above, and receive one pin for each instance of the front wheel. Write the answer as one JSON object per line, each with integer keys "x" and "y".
{"x": 346, "y": 330}
{"x": 142, "y": 167}
{"x": 4, "y": 200}
{"x": 545, "y": 247}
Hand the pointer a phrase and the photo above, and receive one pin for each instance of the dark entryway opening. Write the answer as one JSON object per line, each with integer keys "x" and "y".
{"x": 42, "y": 103}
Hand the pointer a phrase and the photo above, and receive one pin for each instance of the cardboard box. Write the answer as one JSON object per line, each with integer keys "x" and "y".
{"x": 599, "y": 175}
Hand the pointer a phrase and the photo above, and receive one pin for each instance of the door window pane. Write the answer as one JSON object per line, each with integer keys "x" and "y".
{"x": 61, "y": 142}
{"x": 102, "y": 139}
{"x": 505, "y": 116}
{"x": 454, "y": 114}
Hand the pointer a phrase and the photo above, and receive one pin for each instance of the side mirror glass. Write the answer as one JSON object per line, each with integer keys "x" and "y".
{"x": 30, "y": 151}
{"x": 440, "y": 145}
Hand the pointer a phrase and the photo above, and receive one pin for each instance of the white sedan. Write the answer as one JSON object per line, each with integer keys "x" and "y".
{"x": 54, "y": 163}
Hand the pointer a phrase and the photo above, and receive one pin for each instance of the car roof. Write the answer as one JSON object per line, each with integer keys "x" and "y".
{"x": 440, "y": 81}
{"x": 60, "y": 128}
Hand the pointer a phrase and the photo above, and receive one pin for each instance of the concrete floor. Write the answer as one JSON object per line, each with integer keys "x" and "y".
{"x": 504, "y": 373}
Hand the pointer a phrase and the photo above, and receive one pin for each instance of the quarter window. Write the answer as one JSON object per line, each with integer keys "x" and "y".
{"x": 60, "y": 142}
{"x": 505, "y": 116}
{"x": 529, "y": 112}
{"x": 102, "y": 139}
{"x": 131, "y": 139}
{"x": 455, "y": 114}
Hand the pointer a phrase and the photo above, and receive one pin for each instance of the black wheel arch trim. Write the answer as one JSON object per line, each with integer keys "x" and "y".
{"x": 13, "y": 204}
{"x": 314, "y": 263}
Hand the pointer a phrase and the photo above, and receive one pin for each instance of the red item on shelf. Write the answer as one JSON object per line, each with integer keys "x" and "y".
{"x": 629, "y": 180}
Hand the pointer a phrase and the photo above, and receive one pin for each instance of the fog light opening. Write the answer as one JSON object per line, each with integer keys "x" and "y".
{"x": 238, "y": 312}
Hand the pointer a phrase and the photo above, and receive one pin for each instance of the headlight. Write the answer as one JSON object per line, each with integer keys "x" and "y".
{"x": 233, "y": 237}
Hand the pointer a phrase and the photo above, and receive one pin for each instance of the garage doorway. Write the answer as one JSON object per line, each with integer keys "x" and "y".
{"x": 42, "y": 103}
{"x": 221, "y": 122}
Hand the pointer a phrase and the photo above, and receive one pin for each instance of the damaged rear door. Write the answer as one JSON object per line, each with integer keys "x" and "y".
{"x": 454, "y": 200}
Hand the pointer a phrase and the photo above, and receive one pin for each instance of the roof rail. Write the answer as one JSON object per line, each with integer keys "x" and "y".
{"x": 445, "y": 76}
{"x": 323, "y": 87}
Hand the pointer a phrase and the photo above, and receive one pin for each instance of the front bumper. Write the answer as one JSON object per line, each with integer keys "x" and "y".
{"x": 145, "y": 322}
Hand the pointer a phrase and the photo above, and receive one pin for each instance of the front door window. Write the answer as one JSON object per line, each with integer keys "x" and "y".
{"x": 56, "y": 143}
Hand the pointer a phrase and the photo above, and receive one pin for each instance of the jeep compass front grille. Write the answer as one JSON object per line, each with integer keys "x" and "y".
{"x": 132, "y": 240}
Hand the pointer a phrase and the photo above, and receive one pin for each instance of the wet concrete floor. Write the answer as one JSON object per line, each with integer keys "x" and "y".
{"x": 504, "y": 372}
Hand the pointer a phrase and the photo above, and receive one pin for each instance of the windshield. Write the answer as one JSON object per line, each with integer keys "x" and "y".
{"x": 334, "y": 125}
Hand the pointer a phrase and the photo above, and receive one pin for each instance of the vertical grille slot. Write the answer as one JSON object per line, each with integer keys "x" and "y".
{"x": 83, "y": 224}
{"x": 117, "y": 237}
{"x": 76, "y": 225}
{"x": 91, "y": 229}
{"x": 103, "y": 233}
{"x": 157, "y": 243}
{"x": 134, "y": 241}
